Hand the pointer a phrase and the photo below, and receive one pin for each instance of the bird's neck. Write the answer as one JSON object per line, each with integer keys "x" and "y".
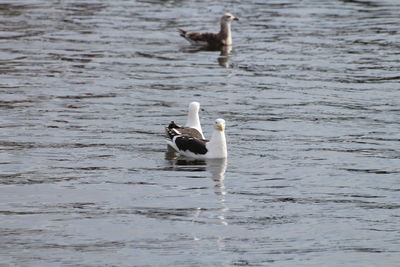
{"x": 217, "y": 145}
{"x": 225, "y": 33}
{"x": 193, "y": 121}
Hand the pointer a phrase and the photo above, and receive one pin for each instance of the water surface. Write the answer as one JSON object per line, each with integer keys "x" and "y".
{"x": 310, "y": 93}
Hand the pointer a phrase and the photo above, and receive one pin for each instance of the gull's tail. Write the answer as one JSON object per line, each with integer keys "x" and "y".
{"x": 171, "y": 130}
{"x": 182, "y": 32}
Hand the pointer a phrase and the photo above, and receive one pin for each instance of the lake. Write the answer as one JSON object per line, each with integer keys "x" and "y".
{"x": 311, "y": 98}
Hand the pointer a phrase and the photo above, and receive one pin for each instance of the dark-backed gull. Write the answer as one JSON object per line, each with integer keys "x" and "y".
{"x": 224, "y": 37}
{"x": 192, "y": 126}
{"x": 198, "y": 148}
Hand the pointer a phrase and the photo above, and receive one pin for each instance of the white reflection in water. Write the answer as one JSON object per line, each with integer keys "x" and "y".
{"x": 217, "y": 169}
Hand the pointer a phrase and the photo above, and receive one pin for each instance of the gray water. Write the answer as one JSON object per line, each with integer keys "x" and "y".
{"x": 310, "y": 93}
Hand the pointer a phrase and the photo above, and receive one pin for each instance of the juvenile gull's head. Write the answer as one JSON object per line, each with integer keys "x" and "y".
{"x": 228, "y": 17}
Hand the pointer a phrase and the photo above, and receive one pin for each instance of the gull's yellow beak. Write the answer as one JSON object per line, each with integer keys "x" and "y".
{"x": 221, "y": 127}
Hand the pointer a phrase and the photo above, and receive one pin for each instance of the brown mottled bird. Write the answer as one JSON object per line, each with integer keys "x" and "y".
{"x": 223, "y": 38}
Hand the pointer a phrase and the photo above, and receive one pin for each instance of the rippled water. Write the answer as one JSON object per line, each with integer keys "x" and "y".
{"x": 310, "y": 93}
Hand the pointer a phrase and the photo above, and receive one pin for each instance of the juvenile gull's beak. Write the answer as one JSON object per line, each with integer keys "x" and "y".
{"x": 236, "y": 18}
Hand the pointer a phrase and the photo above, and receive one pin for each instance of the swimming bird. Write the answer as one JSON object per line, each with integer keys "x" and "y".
{"x": 198, "y": 148}
{"x": 224, "y": 37}
{"x": 192, "y": 126}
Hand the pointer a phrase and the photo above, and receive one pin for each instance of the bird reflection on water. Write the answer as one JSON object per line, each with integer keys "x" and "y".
{"x": 217, "y": 169}
{"x": 223, "y": 58}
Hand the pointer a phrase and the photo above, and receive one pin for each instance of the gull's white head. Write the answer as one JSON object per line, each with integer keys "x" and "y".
{"x": 228, "y": 17}
{"x": 220, "y": 124}
{"x": 193, "y": 120}
{"x": 194, "y": 107}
